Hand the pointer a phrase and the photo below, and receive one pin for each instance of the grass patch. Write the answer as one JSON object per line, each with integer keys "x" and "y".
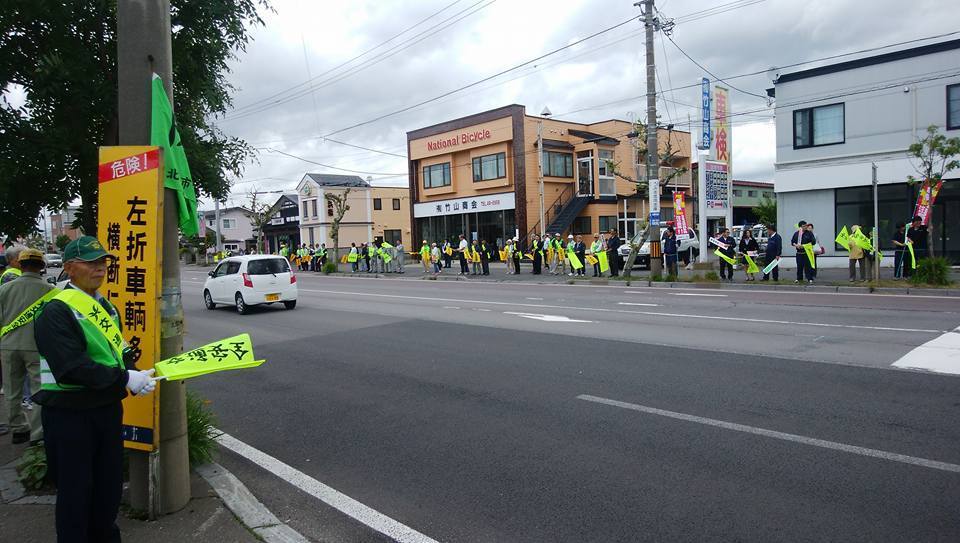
{"x": 201, "y": 430}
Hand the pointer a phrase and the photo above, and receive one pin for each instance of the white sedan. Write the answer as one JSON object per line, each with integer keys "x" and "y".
{"x": 245, "y": 281}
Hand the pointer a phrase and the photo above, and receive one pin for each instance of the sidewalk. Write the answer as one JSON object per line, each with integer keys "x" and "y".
{"x": 828, "y": 279}
{"x": 28, "y": 517}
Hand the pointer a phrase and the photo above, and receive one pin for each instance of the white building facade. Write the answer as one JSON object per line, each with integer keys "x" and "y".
{"x": 834, "y": 121}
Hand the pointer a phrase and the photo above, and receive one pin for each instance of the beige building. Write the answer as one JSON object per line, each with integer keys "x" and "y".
{"x": 376, "y": 213}
{"x": 391, "y": 214}
{"x": 479, "y": 176}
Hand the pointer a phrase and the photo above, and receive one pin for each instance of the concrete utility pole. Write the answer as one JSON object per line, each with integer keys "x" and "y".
{"x": 160, "y": 481}
{"x": 876, "y": 226}
{"x": 653, "y": 155}
{"x": 543, "y": 114}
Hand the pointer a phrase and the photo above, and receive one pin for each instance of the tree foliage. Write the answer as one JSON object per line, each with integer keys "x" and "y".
{"x": 61, "y": 58}
{"x": 259, "y": 217}
{"x": 340, "y": 208}
{"x": 935, "y": 155}
{"x": 62, "y": 241}
{"x": 766, "y": 211}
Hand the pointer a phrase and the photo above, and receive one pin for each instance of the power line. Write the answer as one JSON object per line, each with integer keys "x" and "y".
{"x": 702, "y": 67}
{"x": 364, "y": 53}
{"x": 716, "y": 10}
{"x": 409, "y": 42}
{"x": 475, "y": 83}
{"x": 272, "y": 150}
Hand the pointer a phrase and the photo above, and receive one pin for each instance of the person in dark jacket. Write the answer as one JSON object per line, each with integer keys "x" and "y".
{"x": 749, "y": 247}
{"x": 670, "y": 251}
{"x": 613, "y": 253}
{"x": 800, "y": 238}
{"x": 85, "y": 374}
{"x": 537, "y": 251}
{"x": 730, "y": 250}
{"x": 580, "y": 249}
{"x": 917, "y": 236}
{"x": 517, "y": 255}
{"x": 774, "y": 250}
{"x": 898, "y": 241}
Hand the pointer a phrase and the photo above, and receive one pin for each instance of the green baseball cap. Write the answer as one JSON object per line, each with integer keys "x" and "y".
{"x": 85, "y": 248}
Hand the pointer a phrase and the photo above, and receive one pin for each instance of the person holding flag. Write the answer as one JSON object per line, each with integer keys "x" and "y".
{"x": 802, "y": 240}
{"x": 773, "y": 254}
{"x": 727, "y": 252}
{"x": 595, "y": 248}
{"x": 900, "y": 250}
{"x": 749, "y": 249}
{"x": 425, "y": 256}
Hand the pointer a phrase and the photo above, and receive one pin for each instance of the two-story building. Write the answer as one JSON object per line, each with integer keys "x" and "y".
{"x": 236, "y": 228}
{"x": 479, "y": 176}
{"x": 748, "y": 195}
{"x": 317, "y": 213}
{"x": 284, "y": 224}
{"x": 835, "y": 121}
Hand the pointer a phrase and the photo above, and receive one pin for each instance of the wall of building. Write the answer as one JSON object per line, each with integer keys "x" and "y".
{"x": 813, "y": 206}
{"x": 388, "y": 218}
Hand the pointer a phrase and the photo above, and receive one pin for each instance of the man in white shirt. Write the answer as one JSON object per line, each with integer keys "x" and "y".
{"x": 462, "y": 253}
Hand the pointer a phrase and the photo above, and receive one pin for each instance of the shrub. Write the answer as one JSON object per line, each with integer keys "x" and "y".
{"x": 33, "y": 467}
{"x": 201, "y": 430}
{"x": 932, "y": 271}
{"x": 711, "y": 276}
{"x": 329, "y": 267}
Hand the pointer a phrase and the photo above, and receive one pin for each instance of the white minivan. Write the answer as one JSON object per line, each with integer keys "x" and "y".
{"x": 245, "y": 281}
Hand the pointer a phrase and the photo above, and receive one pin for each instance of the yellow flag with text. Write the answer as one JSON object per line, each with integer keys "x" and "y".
{"x": 232, "y": 353}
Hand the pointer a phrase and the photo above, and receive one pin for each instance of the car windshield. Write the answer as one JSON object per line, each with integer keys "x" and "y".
{"x": 267, "y": 266}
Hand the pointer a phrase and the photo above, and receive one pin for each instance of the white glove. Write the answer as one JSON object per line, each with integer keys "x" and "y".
{"x": 140, "y": 382}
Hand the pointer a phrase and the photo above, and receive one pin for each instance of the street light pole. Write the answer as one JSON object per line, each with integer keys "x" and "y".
{"x": 544, "y": 113}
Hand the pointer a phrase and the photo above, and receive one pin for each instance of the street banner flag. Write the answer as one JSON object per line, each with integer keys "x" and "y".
{"x": 751, "y": 265}
{"x": 843, "y": 238}
{"x": 925, "y": 200}
{"x": 769, "y": 267}
{"x": 862, "y": 240}
{"x": 592, "y": 260}
{"x": 528, "y": 256}
{"x": 233, "y": 353}
{"x": 808, "y": 248}
{"x": 163, "y": 133}
{"x": 503, "y": 256}
{"x": 604, "y": 263}
{"x": 574, "y": 260}
{"x": 913, "y": 256}
{"x": 725, "y": 257}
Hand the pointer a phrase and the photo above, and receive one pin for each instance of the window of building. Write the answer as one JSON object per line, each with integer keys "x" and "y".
{"x": 305, "y": 210}
{"x": 608, "y": 223}
{"x": 767, "y": 194}
{"x": 211, "y": 222}
{"x": 313, "y": 207}
{"x": 392, "y": 237}
{"x": 737, "y": 192}
{"x": 752, "y": 193}
{"x": 953, "y": 107}
{"x": 229, "y": 224}
{"x": 396, "y": 204}
{"x": 822, "y": 125}
{"x": 581, "y": 225}
{"x": 854, "y": 205}
{"x": 490, "y": 167}
{"x": 437, "y": 175}
{"x": 557, "y": 164}
{"x": 607, "y": 184}
{"x": 377, "y": 204}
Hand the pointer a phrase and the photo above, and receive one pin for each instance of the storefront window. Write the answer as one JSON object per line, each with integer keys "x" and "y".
{"x": 854, "y": 205}
{"x": 437, "y": 175}
{"x": 557, "y": 164}
{"x": 608, "y": 223}
{"x": 490, "y": 167}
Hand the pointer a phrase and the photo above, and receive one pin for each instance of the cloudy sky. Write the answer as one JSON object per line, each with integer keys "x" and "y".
{"x": 299, "y": 81}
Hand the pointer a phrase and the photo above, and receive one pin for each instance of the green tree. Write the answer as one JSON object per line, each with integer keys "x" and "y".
{"x": 62, "y": 241}
{"x": 340, "y": 208}
{"x": 62, "y": 55}
{"x": 766, "y": 211}
{"x": 935, "y": 155}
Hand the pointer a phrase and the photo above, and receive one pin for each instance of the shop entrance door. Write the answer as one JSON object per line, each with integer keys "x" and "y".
{"x": 585, "y": 175}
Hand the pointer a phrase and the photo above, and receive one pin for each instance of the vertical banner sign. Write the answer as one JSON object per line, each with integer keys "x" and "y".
{"x": 722, "y": 137}
{"x": 717, "y": 193}
{"x": 925, "y": 200}
{"x": 705, "y": 113}
{"x": 131, "y": 226}
{"x": 680, "y": 216}
{"x": 654, "y": 195}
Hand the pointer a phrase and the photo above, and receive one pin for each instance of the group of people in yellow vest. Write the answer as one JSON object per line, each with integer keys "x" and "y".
{"x": 306, "y": 257}
{"x": 375, "y": 257}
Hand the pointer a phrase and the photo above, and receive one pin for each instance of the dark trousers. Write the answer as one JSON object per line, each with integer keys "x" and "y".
{"x": 614, "y": 260}
{"x": 725, "y": 269}
{"x": 463, "y": 264}
{"x": 898, "y": 262}
{"x": 775, "y": 271}
{"x": 804, "y": 270}
{"x": 85, "y": 459}
{"x": 516, "y": 260}
{"x": 447, "y": 259}
{"x": 485, "y": 266}
{"x": 537, "y": 261}
{"x": 671, "y": 261}
{"x": 596, "y": 270}
{"x": 583, "y": 263}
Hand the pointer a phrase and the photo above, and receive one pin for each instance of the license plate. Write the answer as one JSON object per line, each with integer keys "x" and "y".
{"x": 273, "y": 297}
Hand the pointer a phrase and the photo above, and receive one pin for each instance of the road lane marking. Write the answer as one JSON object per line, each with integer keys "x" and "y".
{"x": 547, "y": 318}
{"x": 939, "y": 355}
{"x": 538, "y": 299}
{"x": 812, "y": 441}
{"x": 330, "y": 496}
{"x": 697, "y": 294}
{"x": 632, "y": 303}
{"x": 628, "y": 312}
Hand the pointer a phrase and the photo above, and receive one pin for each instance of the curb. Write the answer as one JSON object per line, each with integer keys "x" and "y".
{"x": 247, "y": 508}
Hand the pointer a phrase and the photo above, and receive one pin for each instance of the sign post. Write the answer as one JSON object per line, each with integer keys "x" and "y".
{"x": 131, "y": 228}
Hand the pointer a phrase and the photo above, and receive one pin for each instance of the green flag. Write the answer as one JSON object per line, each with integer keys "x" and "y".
{"x": 163, "y": 133}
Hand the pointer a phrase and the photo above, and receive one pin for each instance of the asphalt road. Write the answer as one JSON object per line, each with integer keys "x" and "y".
{"x": 487, "y": 412}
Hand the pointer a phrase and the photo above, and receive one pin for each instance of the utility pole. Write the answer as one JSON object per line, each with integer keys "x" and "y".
{"x": 653, "y": 154}
{"x": 876, "y": 225}
{"x": 159, "y": 481}
{"x": 544, "y": 113}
